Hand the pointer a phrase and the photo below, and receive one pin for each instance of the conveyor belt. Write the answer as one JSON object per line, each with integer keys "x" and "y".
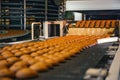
{"x": 74, "y": 68}
{"x": 18, "y": 36}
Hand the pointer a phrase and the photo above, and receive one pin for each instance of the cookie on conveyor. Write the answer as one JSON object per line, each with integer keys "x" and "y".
{"x": 5, "y": 72}
{"x": 39, "y": 66}
{"x": 12, "y": 60}
{"x": 5, "y": 78}
{"x": 7, "y": 54}
{"x": 3, "y": 63}
{"x": 25, "y": 57}
{"x": 18, "y": 65}
{"x": 19, "y": 53}
{"x": 1, "y": 57}
{"x": 32, "y": 61}
{"x": 26, "y": 73}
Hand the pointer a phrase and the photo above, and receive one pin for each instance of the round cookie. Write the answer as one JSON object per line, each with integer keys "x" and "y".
{"x": 12, "y": 60}
{"x": 26, "y": 73}
{"x": 5, "y": 78}
{"x": 3, "y": 63}
{"x": 18, "y": 65}
{"x": 39, "y": 66}
{"x": 7, "y": 54}
{"x": 5, "y": 72}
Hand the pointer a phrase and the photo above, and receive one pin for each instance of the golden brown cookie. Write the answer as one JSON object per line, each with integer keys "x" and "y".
{"x": 12, "y": 60}
{"x": 34, "y": 54}
{"x": 18, "y": 65}
{"x": 32, "y": 61}
{"x": 3, "y": 63}
{"x": 5, "y": 72}
{"x": 7, "y": 54}
{"x": 26, "y": 73}
{"x": 25, "y": 57}
{"x": 19, "y": 53}
{"x": 5, "y": 78}
{"x": 39, "y": 66}
{"x": 1, "y": 57}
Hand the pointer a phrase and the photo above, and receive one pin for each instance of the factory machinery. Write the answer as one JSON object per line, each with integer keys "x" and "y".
{"x": 89, "y": 50}
{"x": 49, "y": 55}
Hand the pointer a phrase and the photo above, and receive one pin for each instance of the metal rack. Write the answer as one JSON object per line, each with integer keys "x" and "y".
{"x": 0, "y": 12}
{"x": 12, "y": 14}
{"x": 34, "y": 10}
{"x": 21, "y": 13}
{"x": 52, "y": 11}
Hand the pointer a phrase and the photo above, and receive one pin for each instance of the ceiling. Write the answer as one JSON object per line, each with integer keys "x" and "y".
{"x": 94, "y": 7}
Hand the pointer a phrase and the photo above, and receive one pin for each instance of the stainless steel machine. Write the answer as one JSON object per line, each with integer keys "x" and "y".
{"x": 50, "y": 29}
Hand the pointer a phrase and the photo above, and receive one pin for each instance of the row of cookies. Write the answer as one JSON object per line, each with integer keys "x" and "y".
{"x": 28, "y": 59}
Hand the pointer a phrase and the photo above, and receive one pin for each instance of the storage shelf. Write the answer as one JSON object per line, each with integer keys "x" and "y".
{"x": 35, "y": 1}
{"x": 35, "y": 9}
{"x": 34, "y": 13}
{"x": 36, "y": 4}
{"x": 37, "y": 17}
{"x": 12, "y": 8}
{"x": 10, "y": 17}
{"x": 16, "y": 12}
{"x": 11, "y": 4}
{"x": 52, "y": 10}
{"x": 12, "y": 13}
{"x": 52, "y": 14}
{"x": 11, "y": 25}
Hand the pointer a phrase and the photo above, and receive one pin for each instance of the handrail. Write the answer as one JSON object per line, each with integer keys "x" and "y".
{"x": 32, "y": 29}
